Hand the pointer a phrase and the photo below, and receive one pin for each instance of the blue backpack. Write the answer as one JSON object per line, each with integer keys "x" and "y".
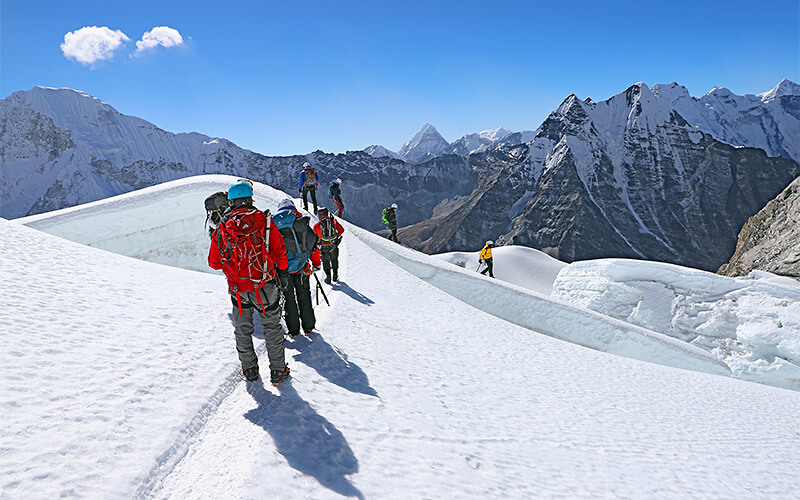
{"x": 300, "y": 239}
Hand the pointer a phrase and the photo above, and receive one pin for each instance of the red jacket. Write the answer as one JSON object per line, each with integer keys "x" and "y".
{"x": 248, "y": 278}
{"x": 323, "y": 243}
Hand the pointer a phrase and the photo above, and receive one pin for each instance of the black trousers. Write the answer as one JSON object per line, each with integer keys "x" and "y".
{"x": 298, "y": 306}
{"x": 313, "y": 192}
{"x": 330, "y": 261}
{"x": 488, "y": 263}
{"x": 393, "y": 235}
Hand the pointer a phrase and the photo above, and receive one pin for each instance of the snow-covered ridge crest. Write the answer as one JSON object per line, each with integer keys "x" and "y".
{"x": 134, "y": 224}
{"x": 768, "y": 121}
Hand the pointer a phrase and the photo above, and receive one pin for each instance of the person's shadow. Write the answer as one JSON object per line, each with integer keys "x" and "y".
{"x": 343, "y": 287}
{"x": 331, "y": 363}
{"x": 308, "y": 441}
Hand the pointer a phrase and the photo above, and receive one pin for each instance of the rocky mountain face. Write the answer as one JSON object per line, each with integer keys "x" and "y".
{"x": 60, "y": 147}
{"x": 768, "y": 240}
{"x": 626, "y": 177}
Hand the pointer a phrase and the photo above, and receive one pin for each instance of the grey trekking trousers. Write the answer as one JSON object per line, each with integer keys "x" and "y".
{"x": 270, "y": 322}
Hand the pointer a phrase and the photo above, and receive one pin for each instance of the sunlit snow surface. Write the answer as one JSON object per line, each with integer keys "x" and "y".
{"x": 120, "y": 379}
{"x": 752, "y": 324}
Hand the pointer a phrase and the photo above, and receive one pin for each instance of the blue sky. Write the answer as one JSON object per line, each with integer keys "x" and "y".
{"x": 291, "y": 77}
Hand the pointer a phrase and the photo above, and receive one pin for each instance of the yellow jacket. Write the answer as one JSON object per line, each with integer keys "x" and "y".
{"x": 486, "y": 253}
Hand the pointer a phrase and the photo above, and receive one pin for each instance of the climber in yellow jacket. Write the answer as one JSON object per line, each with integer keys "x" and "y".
{"x": 486, "y": 258}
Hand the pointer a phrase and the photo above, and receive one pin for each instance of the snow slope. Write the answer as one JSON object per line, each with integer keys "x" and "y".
{"x": 518, "y": 265}
{"x": 106, "y": 362}
{"x": 405, "y": 392}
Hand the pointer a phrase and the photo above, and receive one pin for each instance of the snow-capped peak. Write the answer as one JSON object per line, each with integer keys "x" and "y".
{"x": 425, "y": 144}
{"x": 377, "y": 151}
{"x": 494, "y": 134}
{"x": 671, "y": 93}
{"x": 785, "y": 87}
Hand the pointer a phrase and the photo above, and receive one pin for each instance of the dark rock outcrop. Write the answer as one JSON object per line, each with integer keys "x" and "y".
{"x": 769, "y": 240}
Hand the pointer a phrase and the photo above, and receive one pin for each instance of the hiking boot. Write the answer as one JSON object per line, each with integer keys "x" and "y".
{"x": 251, "y": 374}
{"x": 309, "y": 332}
{"x": 327, "y": 280}
{"x": 335, "y": 276}
{"x": 277, "y": 376}
{"x": 294, "y": 334}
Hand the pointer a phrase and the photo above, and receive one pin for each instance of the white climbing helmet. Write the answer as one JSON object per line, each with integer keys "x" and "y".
{"x": 285, "y": 203}
{"x": 490, "y": 243}
{"x": 393, "y": 205}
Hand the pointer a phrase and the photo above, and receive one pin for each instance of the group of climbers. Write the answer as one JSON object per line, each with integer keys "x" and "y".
{"x": 251, "y": 252}
{"x": 268, "y": 259}
{"x": 308, "y": 188}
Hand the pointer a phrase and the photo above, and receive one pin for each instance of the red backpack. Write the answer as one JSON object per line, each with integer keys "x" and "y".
{"x": 243, "y": 242}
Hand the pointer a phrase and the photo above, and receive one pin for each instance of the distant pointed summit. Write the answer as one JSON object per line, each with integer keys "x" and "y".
{"x": 785, "y": 87}
{"x": 428, "y": 143}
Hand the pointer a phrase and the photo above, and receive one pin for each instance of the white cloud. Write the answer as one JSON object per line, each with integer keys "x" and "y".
{"x": 160, "y": 35}
{"x": 91, "y": 44}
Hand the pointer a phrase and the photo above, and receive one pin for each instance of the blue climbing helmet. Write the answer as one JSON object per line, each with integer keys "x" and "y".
{"x": 241, "y": 189}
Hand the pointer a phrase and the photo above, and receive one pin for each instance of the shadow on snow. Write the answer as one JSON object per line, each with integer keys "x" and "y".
{"x": 330, "y": 362}
{"x": 308, "y": 441}
{"x": 343, "y": 287}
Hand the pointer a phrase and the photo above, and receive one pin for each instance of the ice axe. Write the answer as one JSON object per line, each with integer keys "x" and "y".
{"x": 319, "y": 289}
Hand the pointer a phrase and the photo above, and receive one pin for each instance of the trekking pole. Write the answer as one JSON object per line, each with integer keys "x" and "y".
{"x": 319, "y": 289}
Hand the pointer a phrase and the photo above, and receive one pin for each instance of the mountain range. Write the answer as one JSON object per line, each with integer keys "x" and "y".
{"x": 630, "y": 177}
{"x": 428, "y": 143}
{"x": 649, "y": 173}
{"x": 61, "y": 147}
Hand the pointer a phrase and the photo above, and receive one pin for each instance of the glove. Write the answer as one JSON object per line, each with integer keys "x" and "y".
{"x": 300, "y": 190}
{"x": 283, "y": 279}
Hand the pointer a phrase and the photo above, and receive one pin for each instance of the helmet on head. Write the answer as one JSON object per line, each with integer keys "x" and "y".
{"x": 490, "y": 243}
{"x": 240, "y": 190}
{"x": 393, "y": 205}
{"x": 337, "y": 181}
{"x": 323, "y": 212}
{"x": 284, "y": 204}
{"x": 306, "y": 166}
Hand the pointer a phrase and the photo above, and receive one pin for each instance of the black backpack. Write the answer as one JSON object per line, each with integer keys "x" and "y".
{"x": 298, "y": 236}
{"x": 216, "y": 204}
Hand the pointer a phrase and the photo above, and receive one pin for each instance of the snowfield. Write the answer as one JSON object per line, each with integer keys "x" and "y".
{"x": 752, "y": 323}
{"x": 120, "y": 379}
